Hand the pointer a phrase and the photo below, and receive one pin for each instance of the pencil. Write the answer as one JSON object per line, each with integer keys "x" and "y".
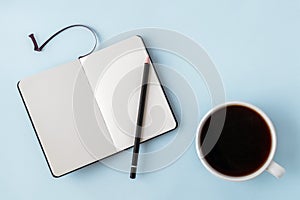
{"x": 140, "y": 119}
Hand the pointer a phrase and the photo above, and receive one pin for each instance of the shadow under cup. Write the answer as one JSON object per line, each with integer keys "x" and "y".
{"x": 235, "y": 140}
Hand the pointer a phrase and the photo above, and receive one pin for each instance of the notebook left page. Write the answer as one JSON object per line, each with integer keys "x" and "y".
{"x": 59, "y": 102}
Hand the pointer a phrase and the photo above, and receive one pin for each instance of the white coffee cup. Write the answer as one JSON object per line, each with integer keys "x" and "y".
{"x": 270, "y": 166}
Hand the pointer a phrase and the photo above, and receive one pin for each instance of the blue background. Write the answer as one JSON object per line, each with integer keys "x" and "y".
{"x": 254, "y": 44}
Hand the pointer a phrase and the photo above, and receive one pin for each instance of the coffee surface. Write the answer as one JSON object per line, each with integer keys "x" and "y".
{"x": 244, "y": 144}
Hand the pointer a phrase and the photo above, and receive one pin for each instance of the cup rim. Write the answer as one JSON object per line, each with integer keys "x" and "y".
{"x": 273, "y": 142}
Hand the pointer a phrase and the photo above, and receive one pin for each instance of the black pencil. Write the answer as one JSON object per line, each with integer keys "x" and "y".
{"x": 140, "y": 119}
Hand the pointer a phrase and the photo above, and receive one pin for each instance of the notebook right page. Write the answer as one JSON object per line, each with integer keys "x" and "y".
{"x": 115, "y": 76}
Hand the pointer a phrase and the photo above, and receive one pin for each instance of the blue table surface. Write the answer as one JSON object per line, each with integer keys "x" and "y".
{"x": 254, "y": 45}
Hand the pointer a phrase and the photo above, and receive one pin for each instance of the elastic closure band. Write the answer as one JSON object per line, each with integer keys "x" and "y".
{"x": 37, "y": 48}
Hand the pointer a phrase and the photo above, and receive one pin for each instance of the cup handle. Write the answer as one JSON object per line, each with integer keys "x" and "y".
{"x": 275, "y": 169}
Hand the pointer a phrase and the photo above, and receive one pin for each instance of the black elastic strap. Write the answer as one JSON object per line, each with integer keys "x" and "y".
{"x": 37, "y": 48}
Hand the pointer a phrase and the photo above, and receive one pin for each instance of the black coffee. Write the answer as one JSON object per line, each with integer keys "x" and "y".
{"x": 244, "y": 144}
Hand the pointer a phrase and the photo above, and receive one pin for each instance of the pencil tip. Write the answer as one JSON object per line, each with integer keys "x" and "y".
{"x": 147, "y": 61}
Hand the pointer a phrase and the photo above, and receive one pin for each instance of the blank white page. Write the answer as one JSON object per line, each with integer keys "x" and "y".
{"x": 115, "y": 76}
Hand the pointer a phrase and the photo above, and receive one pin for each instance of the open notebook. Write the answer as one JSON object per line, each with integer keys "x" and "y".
{"x": 86, "y": 110}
